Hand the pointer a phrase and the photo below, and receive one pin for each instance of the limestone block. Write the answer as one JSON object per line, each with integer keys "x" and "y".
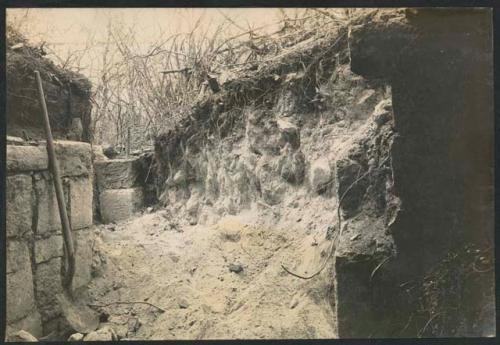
{"x": 117, "y": 173}
{"x": 320, "y": 174}
{"x": 48, "y": 219}
{"x": 83, "y": 258}
{"x": 26, "y": 158}
{"x": 18, "y": 256}
{"x": 74, "y": 158}
{"x": 98, "y": 153}
{"x": 48, "y": 285}
{"x": 80, "y": 203}
{"x": 48, "y": 248}
{"x": 31, "y": 323}
{"x": 19, "y": 200}
{"x": 20, "y": 297}
{"x": 120, "y": 204}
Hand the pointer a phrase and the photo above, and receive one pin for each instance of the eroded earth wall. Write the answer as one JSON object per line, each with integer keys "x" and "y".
{"x": 439, "y": 65}
{"x": 390, "y": 149}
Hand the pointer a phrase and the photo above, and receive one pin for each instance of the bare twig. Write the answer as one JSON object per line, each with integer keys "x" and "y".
{"x": 422, "y": 331}
{"x": 339, "y": 227}
{"x": 378, "y": 267}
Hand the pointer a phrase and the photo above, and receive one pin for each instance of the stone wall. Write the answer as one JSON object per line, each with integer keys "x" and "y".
{"x": 34, "y": 233}
{"x": 120, "y": 185}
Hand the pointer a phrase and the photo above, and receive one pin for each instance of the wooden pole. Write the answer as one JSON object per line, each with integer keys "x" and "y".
{"x": 56, "y": 176}
{"x": 128, "y": 142}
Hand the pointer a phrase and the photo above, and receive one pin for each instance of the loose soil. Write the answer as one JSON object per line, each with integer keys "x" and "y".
{"x": 185, "y": 270}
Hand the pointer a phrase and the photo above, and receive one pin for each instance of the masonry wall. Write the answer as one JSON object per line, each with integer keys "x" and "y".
{"x": 34, "y": 234}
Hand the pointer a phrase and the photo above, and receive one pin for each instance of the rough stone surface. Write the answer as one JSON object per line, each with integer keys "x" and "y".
{"x": 74, "y": 158}
{"x": 48, "y": 248}
{"x": 19, "y": 199}
{"x": 83, "y": 258}
{"x": 18, "y": 256}
{"x": 76, "y": 337}
{"x": 31, "y": 323}
{"x": 263, "y": 134}
{"x": 48, "y": 218}
{"x": 20, "y": 297}
{"x": 26, "y": 158}
{"x": 104, "y": 334}
{"x": 81, "y": 196}
{"x": 98, "y": 153}
{"x": 117, "y": 173}
{"x": 23, "y": 336}
{"x": 320, "y": 174}
{"x": 48, "y": 285}
{"x": 290, "y": 133}
{"x": 293, "y": 166}
{"x": 120, "y": 204}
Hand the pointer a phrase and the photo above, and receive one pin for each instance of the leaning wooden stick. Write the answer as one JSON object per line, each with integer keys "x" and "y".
{"x": 56, "y": 176}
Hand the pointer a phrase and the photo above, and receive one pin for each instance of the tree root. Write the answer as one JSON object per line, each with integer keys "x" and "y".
{"x": 133, "y": 302}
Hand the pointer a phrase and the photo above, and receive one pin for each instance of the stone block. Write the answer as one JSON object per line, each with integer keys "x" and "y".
{"x": 98, "y": 153}
{"x": 117, "y": 173}
{"x": 83, "y": 258}
{"x": 48, "y": 219}
{"x": 48, "y": 285}
{"x": 320, "y": 175}
{"x": 19, "y": 198}
{"x": 18, "y": 257}
{"x": 48, "y": 248}
{"x": 20, "y": 297}
{"x": 74, "y": 158}
{"x": 26, "y": 158}
{"x": 120, "y": 204}
{"x": 80, "y": 202}
{"x": 31, "y": 323}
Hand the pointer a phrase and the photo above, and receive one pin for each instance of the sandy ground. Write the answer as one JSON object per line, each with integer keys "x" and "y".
{"x": 185, "y": 270}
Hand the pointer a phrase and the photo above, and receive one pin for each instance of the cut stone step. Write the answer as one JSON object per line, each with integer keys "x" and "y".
{"x": 120, "y": 204}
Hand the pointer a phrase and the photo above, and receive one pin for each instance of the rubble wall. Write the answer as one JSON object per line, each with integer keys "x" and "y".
{"x": 34, "y": 234}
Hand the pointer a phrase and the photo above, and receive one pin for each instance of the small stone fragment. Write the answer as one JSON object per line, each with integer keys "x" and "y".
{"x": 236, "y": 268}
{"x": 183, "y": 303}
{"x": 23, "y": 336}
{"x": 133, "y": 325}
{"x": 104, "y": 334}
{"x": 76, "y": 337}
{"x": 294, "y": 302}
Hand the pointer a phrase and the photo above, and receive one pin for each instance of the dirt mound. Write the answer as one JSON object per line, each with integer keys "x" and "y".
{"x": 67, "y": 94}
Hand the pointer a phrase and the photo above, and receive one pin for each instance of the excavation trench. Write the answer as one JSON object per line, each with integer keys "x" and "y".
{"x": 336, "y": 144}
